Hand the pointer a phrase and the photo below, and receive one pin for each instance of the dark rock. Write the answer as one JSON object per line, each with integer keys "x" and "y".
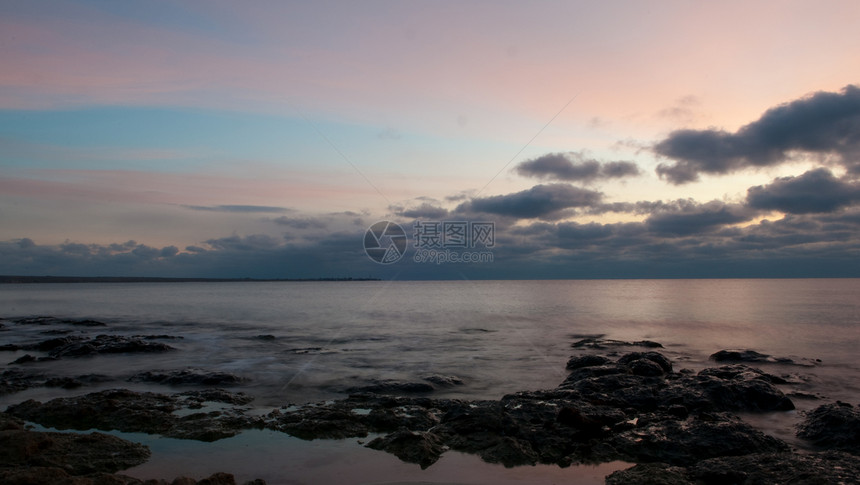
{"x": 76, "y": 454}
{"x": 444, "y": 381}
{"x": 645, "y": 367}
{"x": 130, "y": 411}
{"x": 650, "y": 474}
{"x": 188, "y": 377}
{"x": 9, "y": 348}
{"x": 64, "y": 382}
{"x": 834, "y": 426}
{"x": 47, "y": 320}
{"x": 751, "y": 356}
{"x": 267, "y": 337}
{"x": 107, "y": 344}
{"x": 15, "y": 380}
{"x": 594, "y": 371}
{"x": 24, "y": 359}
{"x": 656, "y": 357}
{"x": 580, "y": 361}
{"x": 686, "y": 442}
{"x": 601, "y": 343}
{"x": 813, "y": 468}
{"x": 423, "y": 448}
{"x": 740, "y": 388}
{"x": 393, "y": 387}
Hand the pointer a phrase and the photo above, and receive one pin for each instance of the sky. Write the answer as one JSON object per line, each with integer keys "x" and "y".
{"x": 502, "y": 140}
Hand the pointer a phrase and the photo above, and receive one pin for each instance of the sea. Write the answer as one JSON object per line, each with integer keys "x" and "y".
{"x": 302, "y": 342}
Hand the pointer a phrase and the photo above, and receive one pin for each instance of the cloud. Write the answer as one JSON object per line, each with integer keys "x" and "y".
{"x": 825, "y": 123}
{"x": 424, "y": 211}
{"x": 238, "y": 208}
{"x": 300, "y": 222}
{"x": 814, "y": 191}
{"x": 573, "y": 166}
{"x": 540, "y": 201}
{"x": 693, "y": 218}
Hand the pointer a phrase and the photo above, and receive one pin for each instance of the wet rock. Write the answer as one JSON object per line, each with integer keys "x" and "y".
{"x": 740, "y": 388}
{"x": 443, "y": 381}
{"x": 190, "y": 376}
{"x": 685, "y": 442}
{"x": 9, "y": 348}
{"x": 834, "y": 426}
{"x": 215, "y": 395}
{"x": 48, "y": 320}
{"x": 15, "y": 380}
{"x": 24, "y": 359}
{"x": 130, "y": 411}
{"x": 655, "y": 357}
{"x": 601, "y": 343}
{"x": 580, "y": 361}
{"x": 749, "y": 356}
{"x": 650, "y": 474}
{"x": 76, "y": 454}
{"x": 814, "y": 468}
{"x": 393, "y": 387}
{"x": 107, "y": 344}
{"x": 423, "y": 448}
{"x": 267, "y": 337}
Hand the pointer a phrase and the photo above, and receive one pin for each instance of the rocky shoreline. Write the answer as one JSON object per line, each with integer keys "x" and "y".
{"x": 621, "y": 401}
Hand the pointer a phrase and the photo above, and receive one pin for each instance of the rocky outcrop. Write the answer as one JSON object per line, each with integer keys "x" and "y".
{"x": 834, "y": 426}
{"x": 751, "y": 469}
{"x": 191, "y": 376}
{"x": 124, "y": 410}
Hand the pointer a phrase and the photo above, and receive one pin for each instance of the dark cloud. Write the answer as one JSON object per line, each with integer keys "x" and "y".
{"x": 238, "y": 208}
{"x": 823, "y": 124}
{"x": 573, "y": 166}
{"x": 814, "y": 191}
{"x": 692, "y": 218}
{"x": 253, "y": 242}
{"x": 540, "y": 201}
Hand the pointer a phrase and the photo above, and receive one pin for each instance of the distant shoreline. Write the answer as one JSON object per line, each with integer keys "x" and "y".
{"x": 142, "y": 279}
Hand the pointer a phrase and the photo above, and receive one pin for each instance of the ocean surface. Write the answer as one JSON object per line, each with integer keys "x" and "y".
{"x": 299, "y": 342}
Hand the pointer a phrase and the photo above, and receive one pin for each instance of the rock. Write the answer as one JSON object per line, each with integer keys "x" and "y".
{"x": 76, "y": 454}
{"x": 835, "y": 426}
{"x": 130, "y": 411}
{"x": 24, "y": 359}
{"x": 757, "y": 468}
{"x": 686, "y": 442}
{"x": 444, "y": 381}
{"x": 581, "y": 361}
{"x": 107, "y": 344}
{"x": 813, "y": 468}
{"x": 650, "y": 474}
{"x": 750, "y": 356}
{"x": 15, "y": 380}
{"x": 423, "y": 448}
{"x": 740, "y": 388}
{"x": 601, "y": 343}
{"x": 189, "y": 376}
{"x": 47, "y": 320}
{"x": 656, "y": 357}
{"x": 393, "y": 387}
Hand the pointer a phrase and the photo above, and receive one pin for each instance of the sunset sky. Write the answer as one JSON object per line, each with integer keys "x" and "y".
{"x": 262, "y": 139}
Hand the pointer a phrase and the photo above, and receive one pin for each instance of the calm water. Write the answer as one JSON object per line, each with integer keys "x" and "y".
{"x": 497, "y": 336}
